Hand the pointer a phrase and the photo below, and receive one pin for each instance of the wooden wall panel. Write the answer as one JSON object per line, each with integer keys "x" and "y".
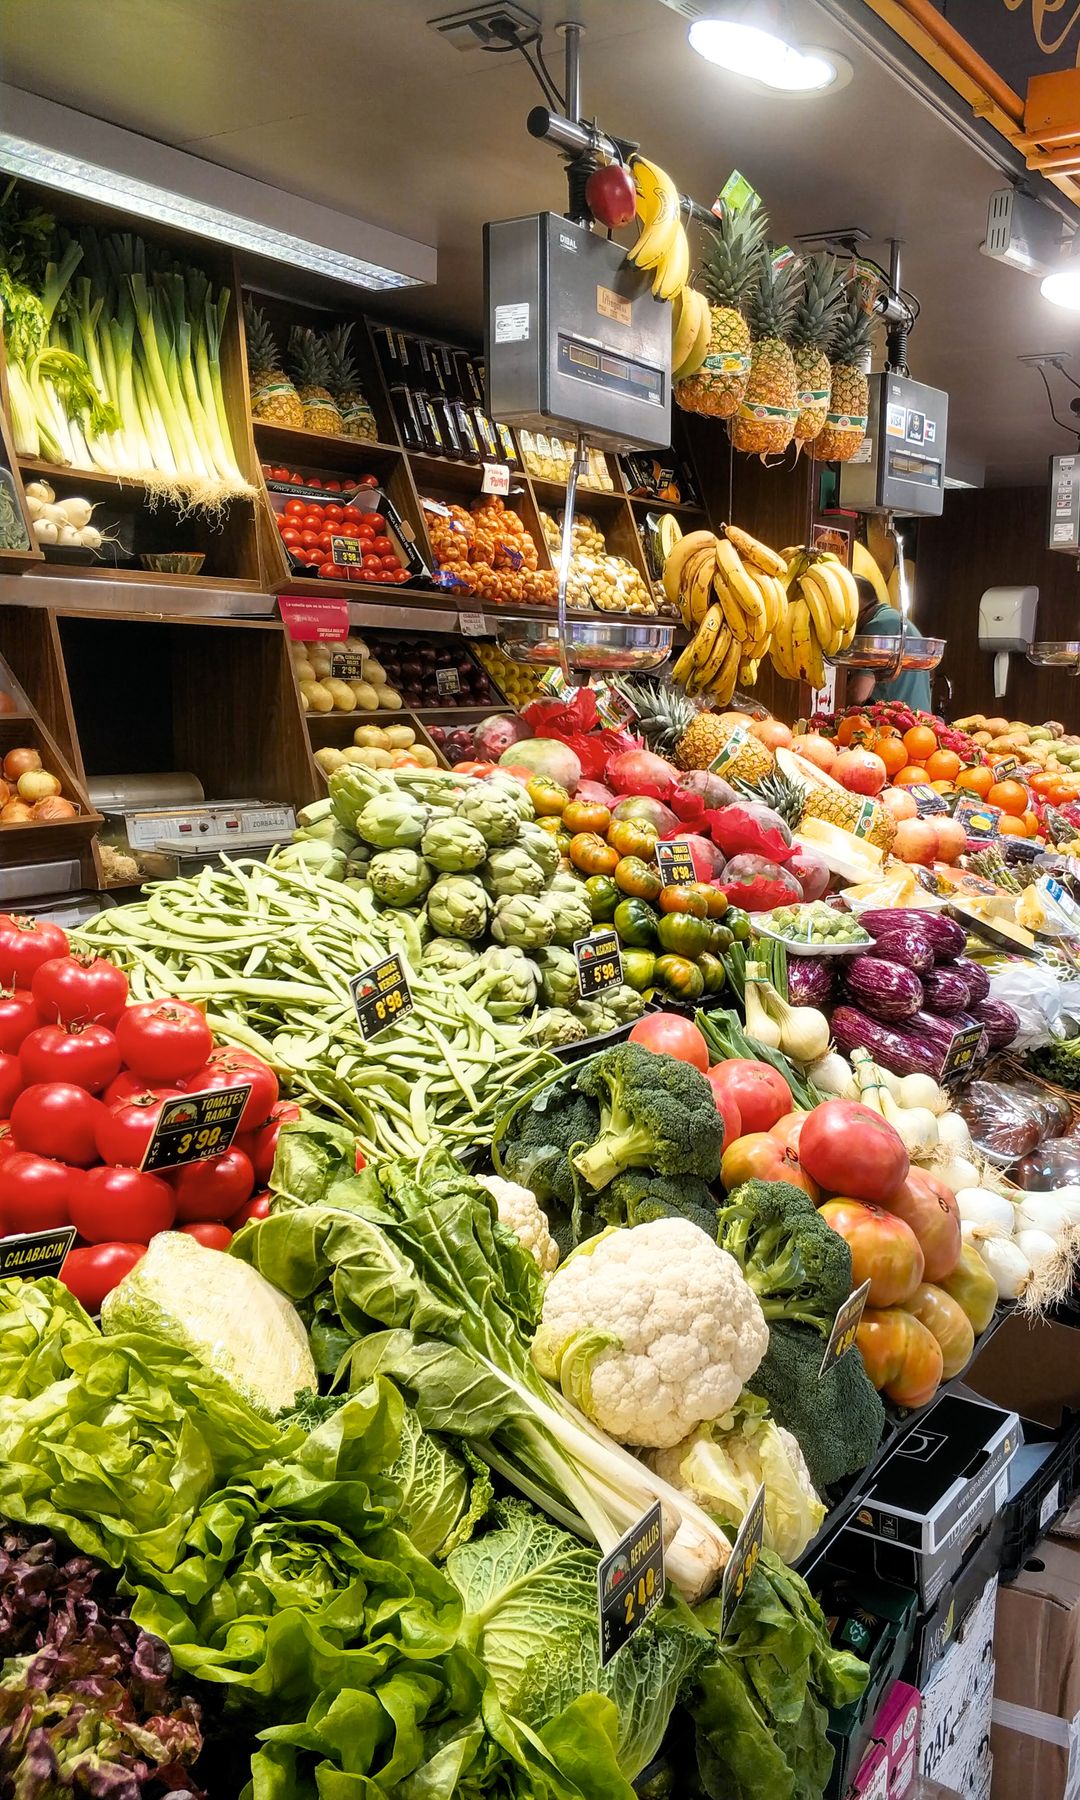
{"x": 994, "y": 537}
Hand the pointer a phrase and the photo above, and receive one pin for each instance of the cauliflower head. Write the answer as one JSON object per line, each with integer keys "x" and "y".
{"x": 518, "y": 1210}
{"x": 650, "y": 1331}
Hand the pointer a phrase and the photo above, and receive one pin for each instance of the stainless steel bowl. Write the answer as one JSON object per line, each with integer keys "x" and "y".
{"x": 881, "y": 653}
{"x": 590, "y": 643}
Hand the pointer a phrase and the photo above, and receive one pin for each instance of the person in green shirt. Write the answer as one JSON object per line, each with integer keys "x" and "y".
{"x": 912, "y": 686}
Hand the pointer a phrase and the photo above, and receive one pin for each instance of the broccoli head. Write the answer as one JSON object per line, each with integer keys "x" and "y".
{"x": 797, "y": 1265}
{"x": 534, "y": 1143}
{"x": 837, "y": 1419}
{"x": 655, "y": 1113}
{"x": 639, "y": 1196}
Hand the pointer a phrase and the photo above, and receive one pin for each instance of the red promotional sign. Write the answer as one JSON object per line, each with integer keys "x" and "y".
{"x": 315, "y": 621}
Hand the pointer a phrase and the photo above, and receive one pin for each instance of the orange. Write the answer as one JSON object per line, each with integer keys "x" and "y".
{"x": 888, "y": 731}
{"x": 1011, "y": 796}
{"x": 920, "y": 743}
{"x": 978, "y": 780}
{"x": 909, "y": 775}
{"x": 940, "y": 787}
{"x": 943, "y": 765}
{"x": 892, "y": 753}
{"x": 1030, "y": 822}
{"x": 854, "y": 730}
{"x": 1043, "y": 783}
{"x": 1008, "y": 826}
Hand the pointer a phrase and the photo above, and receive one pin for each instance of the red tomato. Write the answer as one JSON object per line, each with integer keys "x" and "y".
{"x": 366, "y": 529}
{"x": 79, "y": 990}
{"x": 18, "y": 1018}
{"x": 333, "y": 487}
{"x": 230, "y": 1068}
{"x": 260, "y": 1146}
{"x": 374, "y": 575}
{"x": 352, "y": 513}
{"x": 295, "y": 509}
{"x": 930, "y": 1208}
{"x": 24, "y": 945}
{"x": 56, "y": 1119}
{"x": 333, "y": 511}
{"x": 759, "y": 1156}
{"x": 902, "y": 1356}
{"x": 124, "y": 1129}
{"x": 397, "y": 576}
{"x": 726, "y": 1107}
{"x": 214, "y": 1189}
{"x": 347, "y": 529}
{"x": 390, "y": 562}
{"x": 11, "y": 1080}
{"x": 88, "y": 1056}
{"x": 851, "y": 1150}
{"x": 110, "y": 1200}
{"x": 310, "y": 539}
{"x": 7, "y": 1142}
{"x": 310, "y": 481}
{"x": 290, "y": 536}
{"x": 382, "y": 545}
{"x": 258, "y": 1207}
{"x": 758, "y": 1090}
{"x": 332, "y": 571}
{"x": 373, "y": 562}
{"x": 205, "y": 1232}
{"x": 124, "y": 1087}
{"x": 92, "y": 1273}
{"x": 672, "y": 1035}
{"x": 376, "y": 521}
{"x": 368, "y": 481}
{"x": 165, "y": 1040}
{"x": 36, "y": 1191}
{"x": 789, "y": 1130}
{"x": 326, "y": 542}
{"x": 884, "y": 1251}
{"x": 279, "y": 474}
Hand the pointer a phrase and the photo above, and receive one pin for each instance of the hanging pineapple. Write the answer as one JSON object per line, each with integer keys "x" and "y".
{"x": 816, "y": 316}
{"x": 764, "y": 424}
{"x": 311, "y": 367}
{"x": 849, "y": 406}
{"x": 357, "y": 418}
{"x": 274, "y": 400}
{"x": 728, "y": 271}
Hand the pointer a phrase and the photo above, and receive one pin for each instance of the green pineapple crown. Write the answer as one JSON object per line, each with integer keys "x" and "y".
{"x": 664, "y": 713}
{"x": 771, "y": 301}
{"x": 343, "y": 378}
{"x": 309, "y": 357}
{"x": 736, "y": 243}
{"x": 820, "y": 304}
{"x": 261, "y": 348}
{"x": 788, "y": 798}
{"x": 854, "y": 327}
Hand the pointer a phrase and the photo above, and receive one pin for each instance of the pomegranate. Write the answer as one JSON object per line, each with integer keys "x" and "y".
{"x": 898, "y": 802}
{"x": 860, "y": 771}
{"x": 916, "y": 841}
{"x": 640, "y": 772}
{"x": 817, "y": 749}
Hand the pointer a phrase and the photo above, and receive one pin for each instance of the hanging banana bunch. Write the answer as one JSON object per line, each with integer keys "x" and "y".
{"x": 821, "y": 616}
{"x": 729, "y": 591}
{"x": 663, "y": 245}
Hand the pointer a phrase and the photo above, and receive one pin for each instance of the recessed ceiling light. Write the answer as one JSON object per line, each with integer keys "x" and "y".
{"x": 751, "y": 38}
{"x": 1062, "y": 287}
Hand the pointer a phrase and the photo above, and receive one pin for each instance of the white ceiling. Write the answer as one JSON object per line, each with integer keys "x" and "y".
{"x": 358, "y": 105}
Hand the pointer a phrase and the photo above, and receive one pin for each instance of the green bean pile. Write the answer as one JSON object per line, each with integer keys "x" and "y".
{"x": 269, "y": 952}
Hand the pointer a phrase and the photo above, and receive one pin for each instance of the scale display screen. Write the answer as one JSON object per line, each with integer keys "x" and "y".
{"x": 619, "y": 374}
{"x": 907, "y": 466}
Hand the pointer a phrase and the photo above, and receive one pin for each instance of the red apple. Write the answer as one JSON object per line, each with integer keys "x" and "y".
{"x": 860, "y": 771}
{"x": 611, "y": 196}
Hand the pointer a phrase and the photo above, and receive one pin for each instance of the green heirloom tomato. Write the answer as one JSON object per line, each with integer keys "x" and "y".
{"x": 639, "y": 968}
{"x": 635, "y": 923}
{"x": 603, "y": 897}
{"x": 738, "y": 923}
{"x": 713, "y": 972}
{"x": 720, "y": 938}
{"x": 638, "y": 878}
{"x": 679, "y": 977}
{"x": 684, "y": 935}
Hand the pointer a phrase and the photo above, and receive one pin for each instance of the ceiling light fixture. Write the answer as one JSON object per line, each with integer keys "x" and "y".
{"x": 753, "y": 38}
{"x": 61, "y": 148}
{"x": 1062, "y": 286}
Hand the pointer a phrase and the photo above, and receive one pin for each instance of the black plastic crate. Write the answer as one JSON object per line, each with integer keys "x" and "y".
{"x": 1030, "y": 1513}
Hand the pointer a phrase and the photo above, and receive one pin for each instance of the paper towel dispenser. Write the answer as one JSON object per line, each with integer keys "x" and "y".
{"x": 1006, "y": 622}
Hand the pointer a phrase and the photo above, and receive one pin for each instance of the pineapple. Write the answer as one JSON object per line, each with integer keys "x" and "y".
{"x": 845, "y": 424}
{"x": 274, "y": 400}
{"x": 845, "y": 810}
{"x": 709, "y": 733}
{"x": 357, "y": 418}
{"x": 788, "y": 798}
{"x": 663, "y": 713}
{"x": 311, "y": 367}
{"x": 718, "y": 386}
{"x": 764, "y": 424}
{"x": 816, "y": 317}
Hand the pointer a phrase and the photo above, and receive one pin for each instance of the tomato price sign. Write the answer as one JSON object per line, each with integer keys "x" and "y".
{"x": 961, "y": 1053}
{"x": 743, "y": 1559}
{"x": 35, "y": 1253}
{"x": 349, "y": 552}
{"x": 630, "y": 1582}
{"x": 675, "y": 863}
{"x": 845, "y": 1329}
{"x": 599, "y": 963}
{"x": 381, "y": 996}
{"x": 195, "y": 1128}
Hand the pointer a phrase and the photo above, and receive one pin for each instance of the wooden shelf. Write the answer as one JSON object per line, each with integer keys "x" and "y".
{"x": 212, "y": 584}
{"x": 598, "y": 501}
{"x": 36, "y": 466}
{"x": 291, "y": 443}
{"x": 438, "y": 715}
{"x": 688, "y": 507}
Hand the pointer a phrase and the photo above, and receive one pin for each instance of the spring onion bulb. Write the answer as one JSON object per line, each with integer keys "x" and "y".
{"x": 1004, "y": 1258}
{"x": 832, "y": 1075}
{"x": 985, "y": 1210}
{"x": 953, "y": 1134}
{"x": 958, "y": 1173}
{"x": 922, "y": 1091}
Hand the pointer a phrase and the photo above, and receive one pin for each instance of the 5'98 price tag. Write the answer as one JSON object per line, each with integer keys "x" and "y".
{"x": 845, "y": 1329}
{"x": 195, "y": 1128}
{"x": 381, "y": 996}
{"x": 743, "y": 1559}
{"x": 630, "y": 1582}
{"x": 599, "y": 963}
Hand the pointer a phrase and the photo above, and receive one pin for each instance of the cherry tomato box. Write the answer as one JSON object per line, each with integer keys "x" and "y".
{"x": 347, "y": 524}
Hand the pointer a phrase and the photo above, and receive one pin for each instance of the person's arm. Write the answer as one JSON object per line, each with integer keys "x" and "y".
{"x": 860, "y": 686}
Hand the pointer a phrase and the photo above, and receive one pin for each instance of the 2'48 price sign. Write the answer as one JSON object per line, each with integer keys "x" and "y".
{"x": 381, "y": 996}
{"x": 630, "y": 1582}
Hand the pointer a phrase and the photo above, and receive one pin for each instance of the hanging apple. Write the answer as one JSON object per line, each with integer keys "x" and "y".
{"x": 611, "y": 195}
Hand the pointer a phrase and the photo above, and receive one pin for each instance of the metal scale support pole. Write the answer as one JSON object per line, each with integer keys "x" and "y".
{"x": 572, "y": 34}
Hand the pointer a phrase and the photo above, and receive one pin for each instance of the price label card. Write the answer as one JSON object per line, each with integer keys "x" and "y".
{"x": 472, "y": 624}
{"x": 845, "y": 1328}
{"x": 1060, "y": 905}
{"x": 195, "y": 1128}
{"x": 347, "y": 665}
{"x": 675, "y": 863}
{"x": 743, "y": 1559}
{"x": 1005, "y": 768}
{"x": 381, "y": 996}
{"x": 599, "y": 963}
{"x": 738, "y": 740}
{"x": 496, "y": 479}
{"x": 961, "y": 1053}
{"x": 35, "y": 1253}
{"x": 349, "y": 552}
{"x": 978, "y": 819}
{"x": 448, "y": 681}
{"x": 930, "y": 804}
{"x": 315, "y": 621}
{"x": 630, "y": 1582}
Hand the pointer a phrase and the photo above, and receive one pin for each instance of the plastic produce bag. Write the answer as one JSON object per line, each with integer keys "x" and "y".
{"x": 1005, "y": 1123}
{"x": 1038, "y": 999}
{"x": 1051, "y": 1165}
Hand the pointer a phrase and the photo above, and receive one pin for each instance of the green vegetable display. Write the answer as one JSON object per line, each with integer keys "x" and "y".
{"x": 799, "y": 1268}
{"x": 494, "y": 811}
{"x": 655, "y": 1113}
{"x": 513, "y": 871}
{"x": 837, "y": 1418}
{"x": 398, "y": 877}
{"x": 526, "y": 921}
{"x": 457, "y": 906}
{"x": 453, "y": 846}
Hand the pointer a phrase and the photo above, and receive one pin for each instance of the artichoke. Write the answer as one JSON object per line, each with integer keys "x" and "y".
{"x": 457, "y": 906}
{"x": 558, "y": 977}
{"x": 351, "y": 788}
{"x": 398, "y": 877}
{"x": 625, "y": 1003}
{"x": 557, "y": 1027}
{"x": 493, "y": 810}
{"x": 450, "y": 957}
{"x": 597, "y": 1018}
{"x": 524, "y": 921}
{"x": 507, "y": 984}
{"x": 505, "y": 784}
{"x": 573, "y": 918}
{"x": 541, "y": 847}
{"x": 564, "y": 881}
{"x": 392, "y": 822}
{"x": 452, "y": 846}
{"x": 512, "y": 871}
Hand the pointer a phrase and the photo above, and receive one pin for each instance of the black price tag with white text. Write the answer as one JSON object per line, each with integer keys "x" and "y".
{"x": 346, "y": 665}
{"x": 195, "y": 1127}
{"x": 1003, "y": 770}
{"x": 845, "y": 1329}
{"x": 675, "y": 863}
{"x": 35, "y": 1253}
{"x": 381, "y": 996}
{"x": 630, "y": 1582}
{"x": 348, "y": 552}
{"x": 743, "y": 1559}
{"x": 961, "y": 1053}
{"x": 599, "y": 963}
{"x": 448, "y": 681}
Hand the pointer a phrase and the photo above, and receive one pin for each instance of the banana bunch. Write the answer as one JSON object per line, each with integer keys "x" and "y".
{"x": 729, "y": 591}
{"x": 821, "y": 617}
{"x": 663, "y": 245}
{"x": 691, "y": 331}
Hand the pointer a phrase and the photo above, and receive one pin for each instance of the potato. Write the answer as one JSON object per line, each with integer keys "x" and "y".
{"x": 383, "y": 758}
{"x": 372, "y": 737}
{"x": 304, "y": 670}
{"x": 367, "y": 698}
{"x": 388, "y": 699}
{"x": 400, "y": 737}
{"x": 304, "y": 701}
{"x": 403, "y": 759}
{"x": 344, "y": 698}
{"x": 425, "y": 757}
{"x": 319, "y": 697}
{"x": 374, "y": 671}
{"x": 329, "y": 759}
{"x": 365, "y": 757}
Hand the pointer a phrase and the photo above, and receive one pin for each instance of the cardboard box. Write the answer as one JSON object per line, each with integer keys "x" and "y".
{"x": 872, "y": 1780}
{"x": 890, "y": 1766}
{"x": 1028, "y": 1368}
{"x": 935, "y": 1630}
{"x": 1036, "y": 1731}
{"x": 957, "y": 1706}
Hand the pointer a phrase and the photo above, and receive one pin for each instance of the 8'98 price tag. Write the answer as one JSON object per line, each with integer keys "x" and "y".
{"x": 675, "y": 863}
{"x": 195, "y": 1128}
{"x": 599, "y": 963}
{"x": 381, "y": 996}
{"x": 630, "y": 1582}
{"x": 743, "y": 1559}
{"x": 845, "y": 1329}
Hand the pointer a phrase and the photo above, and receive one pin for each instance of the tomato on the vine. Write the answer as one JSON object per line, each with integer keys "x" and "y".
{"x": 108, "y": 1200}
{"x": 11, "y": 1081}
{"x": 214, "y": 1189}
{"x": 123, "y": 1087}
{"x": 79, "y": 990}
{"x": 124, "y": 1129}
{"x": 229, "y": 1068}
{"x": 258, "y": 1207}
{"x": 260, "y": 1146}
{"x": 164, "y": 1040}
{"x": 211, "y": 1235}
{"x": 92, "y": 1272}
{"x": 55, "y": 1118}
{"x": 24, "y": 945}
{"x": 88, "y": 1056}
{"x": 18, "y": 1018}
{"x": 36, "y": 1191}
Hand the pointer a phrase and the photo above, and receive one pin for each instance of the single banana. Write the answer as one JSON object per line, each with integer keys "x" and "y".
{"x": 799, "y": 614}
{"x": 684, "y": 666}
{"x": 684, "y": 329}
{"x": 742, "y": 585}
{"x": 703, "y": 339}
{"x": 723, "y": 686}
{"x": 738, "y": 624}
{"x": 680, "y": 554}
{"x": 670, "y": 532}
{"x": 698, "y": 587}
{"x": 710, "y": 666}
{"x": 826, "y": 623}
{"x": 658, "y": 210}
{"x": 673, "y": 269}
{"x": 754, "y": 552}
{"x": 748, "y": 671}
{"x": 815, "y": 665}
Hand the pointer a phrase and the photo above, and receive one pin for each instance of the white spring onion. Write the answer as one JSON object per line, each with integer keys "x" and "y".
{"x": 953, "y": 1134}
{"x": 832, "y": 1075}
{"x": 984, "y": 1210}
{"x": 1053, "y": 1213}
{"x": 801, "y": 1032}
{"x": 922, "y": 1091}
{"x": 1006, "y": 1262}
{"x": 957, "y": 1173}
